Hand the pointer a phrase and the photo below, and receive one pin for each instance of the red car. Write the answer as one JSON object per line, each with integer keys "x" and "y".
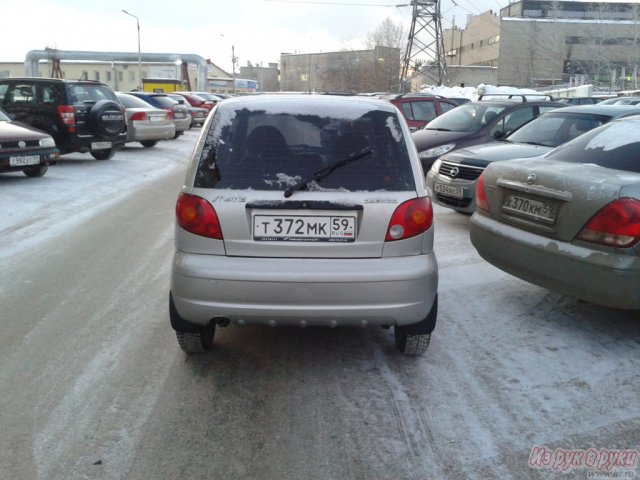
{"x": 419, "y": 109}
{"x": 196, "y": 100}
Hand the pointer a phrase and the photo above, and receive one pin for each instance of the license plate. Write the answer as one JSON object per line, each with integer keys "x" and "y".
{"x": 450, "y": 190}
{"x": 25, "y": 160}
{"x": 180, "y": 115}
{"x": 156, "y": 118}
{"x": 100, "y": 145}
{"x": 528, "y": 207}
{"x": 300, "y": 228}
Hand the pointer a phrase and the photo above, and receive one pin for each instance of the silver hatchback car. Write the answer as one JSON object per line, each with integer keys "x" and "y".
{"x": 306, "y": 210}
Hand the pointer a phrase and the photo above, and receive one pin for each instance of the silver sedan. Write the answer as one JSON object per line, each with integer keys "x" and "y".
{"x": 569, "y": 221}
{"x": 145, "y": 123}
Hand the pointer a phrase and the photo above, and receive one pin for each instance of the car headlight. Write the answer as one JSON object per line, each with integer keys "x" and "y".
{"x": 436, "y": 165}
{"x": 437, "y": 151}
{"x": 47, "y": 142}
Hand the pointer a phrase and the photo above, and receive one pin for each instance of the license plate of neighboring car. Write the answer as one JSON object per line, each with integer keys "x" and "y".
{"x": 180, "y": 115}
{"x": 26, "y": 160}
{"x": 300, "y": 228}
{"x": 450, "y": 190}
{"x": 530, "y": 208}
{"x": 100, "y": 145}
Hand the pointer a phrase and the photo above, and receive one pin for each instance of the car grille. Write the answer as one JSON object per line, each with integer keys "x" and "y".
{"x": 453, "y": 201}
{"x": 14, "y": 144}
{"x": 463, "y": 172}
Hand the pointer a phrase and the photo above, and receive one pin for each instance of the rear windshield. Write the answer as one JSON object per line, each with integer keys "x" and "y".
{"x": 275, "y": 147}
{"x": 614, "y": 145}
{"x": 83, "y": 92}
{"x": 129, "y": 101}
{"x": 163, "y": 100}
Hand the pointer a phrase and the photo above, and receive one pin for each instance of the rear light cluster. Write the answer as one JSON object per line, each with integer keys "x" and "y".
{"x": 411, "y": 218}
{"x": 481, "y": 195}
{"x": 617, "y": 224}
{"x": 169, "y": 111}
{"x": 139, "y": 116}
{"x": 68, "y": 116}
{"x": 197, "y": 216}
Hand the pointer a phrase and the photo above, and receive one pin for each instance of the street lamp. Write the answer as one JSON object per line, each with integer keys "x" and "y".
{"x": 139, "y": 54}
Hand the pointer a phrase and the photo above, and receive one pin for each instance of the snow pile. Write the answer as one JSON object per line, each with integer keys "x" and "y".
{"x": 472, "y": 93}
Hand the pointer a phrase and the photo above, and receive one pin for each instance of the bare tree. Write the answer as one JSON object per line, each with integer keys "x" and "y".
{"x": 387, "y": 34}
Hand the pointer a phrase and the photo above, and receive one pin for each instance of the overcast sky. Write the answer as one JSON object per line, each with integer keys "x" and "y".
{"x": 258, "y": 29}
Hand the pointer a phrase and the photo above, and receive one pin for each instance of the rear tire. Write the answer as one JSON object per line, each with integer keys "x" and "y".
{"x": 38, "y": 171}
{"x": 414, "y": 339}
{"x": 103, "y": 154}
{"x": 149, "y": 143}
{"x": 411, "y": 344}
{"x": 197, "y": 342}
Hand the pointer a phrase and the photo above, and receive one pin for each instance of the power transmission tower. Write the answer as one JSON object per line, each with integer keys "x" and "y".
{"x": 425, "y": 47}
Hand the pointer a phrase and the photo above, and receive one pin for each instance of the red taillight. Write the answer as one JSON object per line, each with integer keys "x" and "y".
{"x": 617, "y": 224}
{"x": 197, "y": 216}
{"x": 68, "y": 116}
{"x": 481, "y": 195}
{"x": 139, "y": 116}
{"x": 169, "y": 111}
{"x": 411, "y": 218}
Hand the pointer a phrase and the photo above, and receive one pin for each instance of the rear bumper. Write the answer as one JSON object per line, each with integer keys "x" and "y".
{"x": 607, "y": 279}
{"x": 143, "y": 132}
{"x": 331, "y": 292}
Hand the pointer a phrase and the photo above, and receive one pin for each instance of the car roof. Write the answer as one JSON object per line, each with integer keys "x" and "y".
{"x": 250, "y": 101}
{"x": 51, "y": 79}
{"x": 598, "y": 109}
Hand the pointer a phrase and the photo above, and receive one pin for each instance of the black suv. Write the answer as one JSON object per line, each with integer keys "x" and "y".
{"x": 82, "y": 116}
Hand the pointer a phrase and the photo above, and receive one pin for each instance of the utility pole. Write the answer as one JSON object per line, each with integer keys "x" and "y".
{"x": 425, "y": 46}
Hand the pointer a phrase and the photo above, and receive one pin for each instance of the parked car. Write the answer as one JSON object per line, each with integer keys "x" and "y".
{"x": 622, "y": 101}
{"x": 146, "y": 124}
{"x": 212, "y": 97}
{"x": 581, "y": 100}
{"x": 196, "y": 100}
{"x": 452, "y": 178}
{"x": 81, "y": 116}
{"x": 569, "y": 221}
{"x": 198, "y": 115}
{"x": 181, "y": 117}
{"x": 459, "y": 100}
{"x": 24, "y": 148}
{"x": 474, "y": 123}
{"x": 304, "y": 210}
{"x": 419, "y": 108}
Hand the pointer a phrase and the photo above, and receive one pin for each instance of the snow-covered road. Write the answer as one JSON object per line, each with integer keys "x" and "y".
{"x": 94, "y": 385}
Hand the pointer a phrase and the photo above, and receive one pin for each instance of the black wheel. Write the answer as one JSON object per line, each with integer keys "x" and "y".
{"x": 414, "y": 339}
{"x": 105, "y": 154}
{"x": 177, "y": 134}
{"x": 197, "y": 342}
{"x": 37, "y": 171}
{"x": 149, "y": 143}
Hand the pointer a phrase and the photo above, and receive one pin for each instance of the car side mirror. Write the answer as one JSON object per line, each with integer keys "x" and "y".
{"x": 499, "y": 134}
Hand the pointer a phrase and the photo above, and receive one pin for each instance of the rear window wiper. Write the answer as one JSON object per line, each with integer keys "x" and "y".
{"x": 320, "y": 174}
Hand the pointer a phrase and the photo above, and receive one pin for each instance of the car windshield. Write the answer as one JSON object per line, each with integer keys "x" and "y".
{"x": 276, "y": 147}
{"x": 556, "y": 128}
{"x": 469, "y": 117}
{"x": 4, "y": 117}
{"x": 614, "y": 145}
